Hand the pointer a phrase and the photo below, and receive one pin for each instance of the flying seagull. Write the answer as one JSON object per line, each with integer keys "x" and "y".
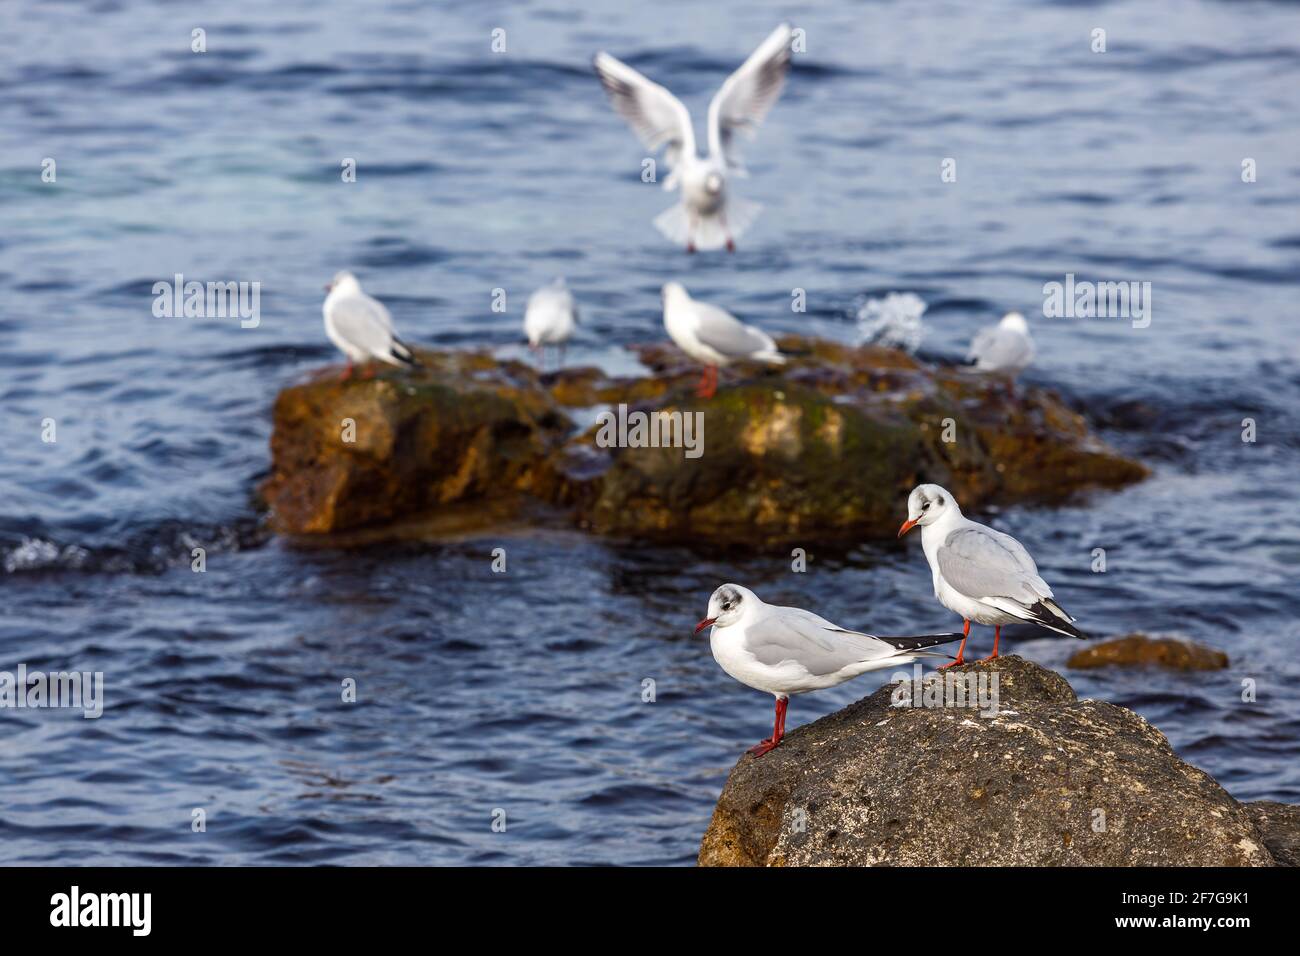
{"x": 708, "y": 216}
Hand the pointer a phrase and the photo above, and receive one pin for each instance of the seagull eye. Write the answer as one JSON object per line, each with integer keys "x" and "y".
{"x": 926, "y": 506}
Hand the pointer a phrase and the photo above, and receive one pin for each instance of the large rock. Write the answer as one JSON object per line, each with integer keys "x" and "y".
{"x": 1049, "y": 780}
{"x": 1279, "y": 825}
{"x": 347, "y": 454}
{"x": 825, "y": 447}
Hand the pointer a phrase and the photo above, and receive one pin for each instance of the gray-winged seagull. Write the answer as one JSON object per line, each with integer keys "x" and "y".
{"x": 713, "y": 336}
{"x": 984, "y": 575}
{"x": 361, "y": 327}
{"x": 787, "y": 650}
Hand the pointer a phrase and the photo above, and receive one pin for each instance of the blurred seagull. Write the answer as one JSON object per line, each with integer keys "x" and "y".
{"x": 787, "y": 650}
{"x": 707, "y": 217}
{"x": 1005, "y": 348}
{"x": 361, "y": 327}
{"x": 550, "y": 318}
{"x": 713, "y": 337}
{"x": 984, "y": 575}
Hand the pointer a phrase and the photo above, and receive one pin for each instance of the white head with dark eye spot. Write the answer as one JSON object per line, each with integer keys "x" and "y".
{"x": 727, "y": 605}
{"x": 928, "y": 504}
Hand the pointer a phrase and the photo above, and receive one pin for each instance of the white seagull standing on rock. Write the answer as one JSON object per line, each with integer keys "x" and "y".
{"x": 550, "y": 318}
{"x": 787, "y": 650}
{"x": 707, "y": 216}
{"x": 984, "y": 575}
{"x": 713, "y": 336}
{"x": 1005, "y": 348}
{"x": 361, "y": 327}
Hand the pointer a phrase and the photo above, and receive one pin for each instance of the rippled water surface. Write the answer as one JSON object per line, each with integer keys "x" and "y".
{"x": 476, "y": 171}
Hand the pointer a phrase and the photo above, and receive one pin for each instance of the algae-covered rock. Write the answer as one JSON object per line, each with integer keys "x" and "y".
{"x": 824, "y": 447}
{"x": 346, "y": 454}
{"x": 1042, "y": 779}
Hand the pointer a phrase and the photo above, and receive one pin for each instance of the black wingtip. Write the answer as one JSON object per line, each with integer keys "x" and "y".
{"x": 1045, "y": 617}
{"x": 914, "y": 642}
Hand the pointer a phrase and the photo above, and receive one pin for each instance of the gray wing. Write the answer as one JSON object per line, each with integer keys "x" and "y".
{"x": 982, "y": 563}
{"x": 748, "y": 94}
{"x": 1000, "y": 349}
{"x": 725, "y": 333}
{"x": 793, "y": 634}
{"x": 656, "y": 116}
{"x": 364, "y": 322}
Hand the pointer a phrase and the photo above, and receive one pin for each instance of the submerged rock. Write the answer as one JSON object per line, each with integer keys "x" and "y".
{"x": 1138, "y": 649}
{"x": 1049, "y": 780}
{"x": 826, "y": 447}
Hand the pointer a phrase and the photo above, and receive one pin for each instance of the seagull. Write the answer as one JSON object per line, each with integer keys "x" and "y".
{"x": 707, "y": 216}
{"x": 1005, "y": 347}
{"x": 361, "y": 327}
{"x": 550, "y": 318}
{"x": 984, "y": 575}
{"x": 712, "y": 336}
{"x": 787, "y": 650}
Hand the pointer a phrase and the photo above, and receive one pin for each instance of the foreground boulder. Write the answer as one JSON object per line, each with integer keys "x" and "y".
{"x": 1048, "y": 780}
{"x": 1137, "y": 650}
{"x": 825, "y": 447}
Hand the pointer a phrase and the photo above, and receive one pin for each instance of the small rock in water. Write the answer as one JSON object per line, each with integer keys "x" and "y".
{"x": 1138, "y": 649}
{"x": 893, "y": 322}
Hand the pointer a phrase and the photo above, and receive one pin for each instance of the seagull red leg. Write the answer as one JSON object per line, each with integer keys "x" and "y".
{"x": 778, "y": 730}
{"x": 960, "y": 659}
{"x": 347, "y": 373}
{"x": 997, "y": 636}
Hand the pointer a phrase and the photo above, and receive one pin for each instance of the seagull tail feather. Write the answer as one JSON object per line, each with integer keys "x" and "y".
{"x": 402, "y": 352}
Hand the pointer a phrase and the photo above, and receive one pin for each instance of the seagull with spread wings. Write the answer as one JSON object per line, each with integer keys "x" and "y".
{"x": 787, "y": 650}
{"x": 708, "y": 216}
{"x": 984, "y": 575}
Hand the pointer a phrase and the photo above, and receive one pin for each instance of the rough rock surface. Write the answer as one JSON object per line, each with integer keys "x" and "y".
{"x": 1050, "y": 780}
{"x": 1138, "y": 649}
{"x": 825, "y": 447}
{"x": 1279, "y": 825}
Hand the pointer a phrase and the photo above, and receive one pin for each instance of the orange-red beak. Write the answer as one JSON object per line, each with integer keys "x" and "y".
{"x": 707, "y": 622}
{"x": 908, "y": 525}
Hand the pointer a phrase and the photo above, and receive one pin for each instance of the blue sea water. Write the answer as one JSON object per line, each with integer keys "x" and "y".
{"x": 522, "y": 692}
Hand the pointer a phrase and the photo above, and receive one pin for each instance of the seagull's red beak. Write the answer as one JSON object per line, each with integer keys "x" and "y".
{"x": 707, "y": 622}
{"x": 908, "y": 525}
